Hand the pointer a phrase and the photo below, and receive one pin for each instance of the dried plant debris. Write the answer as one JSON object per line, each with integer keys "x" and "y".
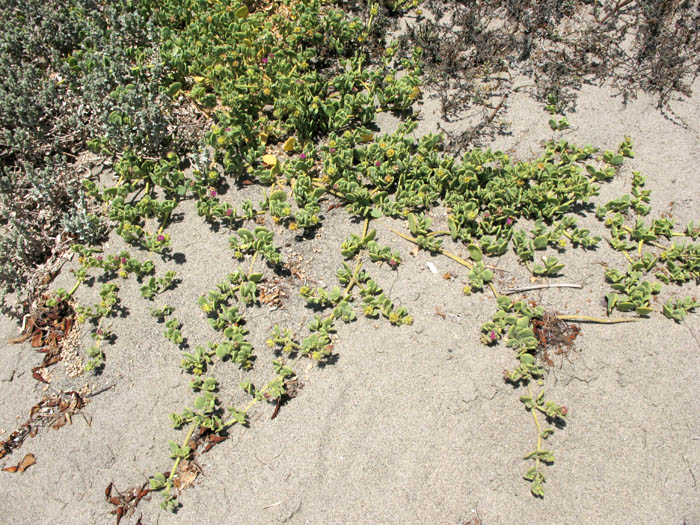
{"x": 48, "y": 327}
{"x": 125, "y": 502}
{"x": 27, "y": 461}
{"x": 207, "y": 437}
{"x": 291, "y": 390}
{"x": 477, "y": 53}
{"x": 55, "y": 410}
{"x": 555, "y": 336}
{"x": 272, "y": 294}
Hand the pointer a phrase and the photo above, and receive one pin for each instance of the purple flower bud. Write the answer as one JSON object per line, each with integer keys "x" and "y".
{"x": 229, "y": 212}
{"x": 212, "y": 193}
{"x": 377, "y": 164}
{"x": 264, "y": 60}
{"x": 332, "y": 150}
{"x": 492, "y": 335}
{"x": 122, "y": 260}
{"x": 302, "y": 156}
{"x": 161, "y": 238}
{"x": 509, "y": 221}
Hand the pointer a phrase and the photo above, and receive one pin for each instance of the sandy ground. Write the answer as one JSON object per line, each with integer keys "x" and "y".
{"x": 411, "y": 424}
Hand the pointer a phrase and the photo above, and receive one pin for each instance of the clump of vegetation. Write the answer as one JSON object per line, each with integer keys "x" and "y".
{"x": 478, "y": 53}
{"x": 73, "y": 75}
{"x": 284, "y": 96}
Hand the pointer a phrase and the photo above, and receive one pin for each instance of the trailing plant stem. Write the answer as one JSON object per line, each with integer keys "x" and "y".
{"x": 353, "y": 279}
{"x": 250, "y": 405}
{"x": 449, "y": 254}
{"x": 600, "y": 320}
{"x": 75, "y": 287}
{"x": 191, "y": 430}
{"x": 252, "y": 262}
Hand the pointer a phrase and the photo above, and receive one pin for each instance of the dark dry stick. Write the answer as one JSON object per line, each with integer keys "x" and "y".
{"x": 102, "y": 390}
{"x": 277, "y": 408}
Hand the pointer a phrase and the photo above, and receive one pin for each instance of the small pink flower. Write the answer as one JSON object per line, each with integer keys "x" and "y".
{"x": 564, "y": 411}
{"x": 160, "y": 238}
{"x": 212, "y": 193}
{"x": 122, "y": 260}
{"x": 229, "y": 212}
{"x": 302, "y": 156}
{"x": 377, "y": 164}
{"x": 332, "y": 150}
{"x": 264, "y": 60}
{"x": 509, "y": 221}
{"x": 99, "y": 258}
{"x": 492, "y": 335}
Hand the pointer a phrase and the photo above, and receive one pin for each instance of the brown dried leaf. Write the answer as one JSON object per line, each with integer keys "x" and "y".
{"x": 37, "y": 374}
{"x": 142, "y": 494}
{"x": 51, "y": 340}
{"x": 21, "y": 339}
{"x": 27, "y": 461}
{"x": 51, "y": 359}
{"x": 60, "y": 422}
{"x": 271, "y": 296}
{"x": 37, "y": 339}
{"x": 119, "y": 511}
{"x": 186, "y": 475}
{"x": 292, "y": 387}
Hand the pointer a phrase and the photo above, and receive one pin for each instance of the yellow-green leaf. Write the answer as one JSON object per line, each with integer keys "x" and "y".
{"x": 242, "y": 12}
{"x": 278, "y": 195}
{"x": 276, "y": 169}
{"x": 290, "y": 144}
{"x": 270, "y": 160}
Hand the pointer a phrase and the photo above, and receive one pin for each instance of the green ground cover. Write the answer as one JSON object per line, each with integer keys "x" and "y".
{"x": 188, "y": 100}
